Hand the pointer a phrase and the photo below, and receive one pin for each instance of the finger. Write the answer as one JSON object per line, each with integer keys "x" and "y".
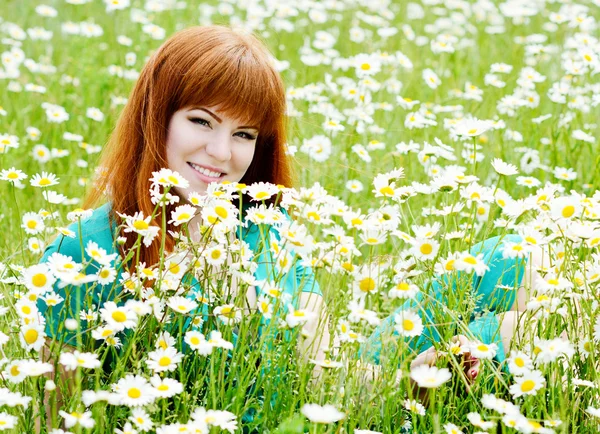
{"x": 431, "y": 356}
{"x": 473, "y": 370}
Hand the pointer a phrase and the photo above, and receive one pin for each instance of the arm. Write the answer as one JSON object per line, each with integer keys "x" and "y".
{"x": 316, "y": 330}
{"x": 62, "y": 379}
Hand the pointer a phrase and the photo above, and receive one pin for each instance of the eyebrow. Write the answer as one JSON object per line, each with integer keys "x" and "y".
{"x": 219, "y": 120}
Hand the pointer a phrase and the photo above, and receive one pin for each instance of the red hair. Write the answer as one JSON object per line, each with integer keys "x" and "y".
{"x": 199, "y": 66}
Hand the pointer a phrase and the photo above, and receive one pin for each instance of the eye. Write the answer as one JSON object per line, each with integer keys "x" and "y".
{"x": 200, "y": 121}
{"x": 245, "y": 135}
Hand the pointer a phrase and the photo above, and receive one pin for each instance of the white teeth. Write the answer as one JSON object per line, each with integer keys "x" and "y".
{"x": 206, "y": 172}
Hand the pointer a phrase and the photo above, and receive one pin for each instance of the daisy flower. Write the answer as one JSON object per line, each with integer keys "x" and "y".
{"x": 593, "y": 411}
{"x": 169, "y": 178}
{"x": 322, "y": 414}
{"x": 32, "y": 223}
{"x": 106, "y": 275}
{"x": 469, "y": 264}
{"x": 567, "y": 207}
{"x": 141, "y": 419}
{"x": 519, "y": 363}
{"x": 430, "y": 376}
{"x": 220, "y": 211}
{"x": 431, "y": 78}
{"x": 162, "y": 360}
{"x": 13, "y": 373}
{"x": 450, "y": 428}
{"x": 408, "y": 323}
{"x": 134, "y": 391}
{"x": 264, "y": 306}
{"x": 166, "y": 387}
{"x": 228, "y": 313}
{"x": 215, "y": 255}
{"x": 118, "y": 317}
{"x": 140, "y": 225}
{"x": 528, "y": 384}
{"x": 260, "y": 191}
{"x": 76, "y": 359}
{"x": 32, "y": 336}
{"x": 38, "y": 278}
{"x": 504, "y": 168}
{"x": 182, "y": 214}
{"x": 7, "y": 421}
{"x": 414, "y": 406}
{"x": 12, "y": 175}
{"x": 181, "y": 304}
{"x": 35, "y": 245}
{"x": 74, "y": 418}
{"x": 483, "y": 351}
{"x": 354, "y": 185}
{"x": 477, "y": 420}
{"x": 424, "y": 248}
{"x": 528, "y": 181}
{"x": 98, "y": 254}
{"x": 471, "y": 127}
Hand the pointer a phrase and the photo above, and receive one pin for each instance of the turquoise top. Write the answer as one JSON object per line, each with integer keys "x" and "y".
{"x": 495, "y": 293}
{"x": 100, "y": 229}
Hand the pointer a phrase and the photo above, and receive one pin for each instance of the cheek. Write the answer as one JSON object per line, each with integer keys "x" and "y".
{"x": 177, "y": 143}
{"x": 246, "y": 156}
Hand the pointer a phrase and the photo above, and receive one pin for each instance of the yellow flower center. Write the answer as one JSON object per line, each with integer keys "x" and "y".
{"x": 140, "y": 225}
{"x": 387, "y": 191}
{"x": 470, "y": 260}
{"x": 426, "y": 249}
{"x": 568, "y": 211}
{"x": 403, "y": 286}
{"x": 164, "y": 361}
{"x": 408, "y": 325}
{"x": 221, "y": 212}
{"x": 31, "y": 336}
{"x": 367, "y": 284}
{"x": 119, "y": 316}
{"x": 134, "y": 393}
{"x": 527, "y": 385}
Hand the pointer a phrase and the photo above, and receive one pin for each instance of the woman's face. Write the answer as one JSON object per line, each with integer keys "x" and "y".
{"x": 206, "y": 146}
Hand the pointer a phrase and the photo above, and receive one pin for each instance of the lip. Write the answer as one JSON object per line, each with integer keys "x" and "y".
{"x": 205, "y": 178}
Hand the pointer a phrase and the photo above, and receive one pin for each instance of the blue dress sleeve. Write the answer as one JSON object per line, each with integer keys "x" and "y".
{"x": 85, "y": 296}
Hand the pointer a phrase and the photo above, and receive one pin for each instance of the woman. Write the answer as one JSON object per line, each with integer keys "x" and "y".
{"x": 210, "y": 105}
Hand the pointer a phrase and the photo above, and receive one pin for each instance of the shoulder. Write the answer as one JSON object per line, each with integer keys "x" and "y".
{"x": 97, "y": 227}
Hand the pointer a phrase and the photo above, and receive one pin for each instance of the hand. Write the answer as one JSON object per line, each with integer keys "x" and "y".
{"x": 470, "y": 364}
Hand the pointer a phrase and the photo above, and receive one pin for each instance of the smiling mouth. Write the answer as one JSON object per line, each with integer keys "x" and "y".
{"x": 206, "y": 172}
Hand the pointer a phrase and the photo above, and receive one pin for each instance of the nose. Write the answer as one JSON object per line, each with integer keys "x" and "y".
{"x": 219, "y": 148}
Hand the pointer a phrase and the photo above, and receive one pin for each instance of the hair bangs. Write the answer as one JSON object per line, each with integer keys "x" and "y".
{"x": 240, "y": 85}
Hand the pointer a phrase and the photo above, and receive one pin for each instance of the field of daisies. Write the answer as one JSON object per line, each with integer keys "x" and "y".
{"x": 418, "y": 128}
